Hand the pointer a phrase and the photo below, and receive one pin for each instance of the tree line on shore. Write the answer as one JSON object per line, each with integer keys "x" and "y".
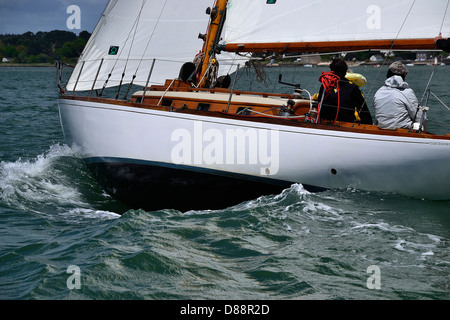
{"x": 42, "y": 47}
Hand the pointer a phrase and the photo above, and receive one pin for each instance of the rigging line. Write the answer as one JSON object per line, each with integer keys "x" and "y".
{"x": 232, "y": 63}
{"x": 440, "y": 101}
{"x": 390, "y": 50}
{"x": 128, "y": 57}
{"x": 151, "y": 36}
{"x": 131, "y": 30}
{"x": 435, "y": 65}
{"x": 164, "y": 94}
{"x": 442, "y": 123}
{"x": 322, "y": 54}
{"x": 443, "y": 19}
{"x": 276, "y": 82}
{"x": 204, "y": 75}
{"x": 261, "y": 75}
{"x": 428, "y": 84}
{"x": 392, "y": 45}
{"x": 120, "y": 52}
{"x": 252, "y": 76}
{"x": 136, "y": 23}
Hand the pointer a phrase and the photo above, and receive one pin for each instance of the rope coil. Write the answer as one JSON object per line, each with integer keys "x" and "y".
{"x": 330, "y": 83}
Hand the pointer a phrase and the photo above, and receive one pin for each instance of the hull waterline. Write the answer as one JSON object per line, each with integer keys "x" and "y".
{"x": 154, "y": 186}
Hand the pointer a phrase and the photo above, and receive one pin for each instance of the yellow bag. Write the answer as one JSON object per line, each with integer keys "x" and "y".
{"x": 356, "y": 78}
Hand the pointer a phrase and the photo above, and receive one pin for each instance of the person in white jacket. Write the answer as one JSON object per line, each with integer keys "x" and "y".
{"x": 396, "y": 105}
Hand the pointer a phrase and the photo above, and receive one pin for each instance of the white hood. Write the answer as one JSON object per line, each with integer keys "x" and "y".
{"x": 396, "y": 82}
{"x": 396, "y": 105}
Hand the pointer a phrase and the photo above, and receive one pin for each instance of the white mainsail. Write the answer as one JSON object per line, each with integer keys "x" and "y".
{"x": 131, "y": 33}
{"x": 322, "y": 25}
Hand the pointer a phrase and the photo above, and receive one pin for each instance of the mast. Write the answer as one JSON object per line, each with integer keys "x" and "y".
{"x": 212, "y": 37}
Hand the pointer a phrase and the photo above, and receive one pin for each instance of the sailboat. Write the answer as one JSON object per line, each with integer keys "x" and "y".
{"x": 188, "y": 139}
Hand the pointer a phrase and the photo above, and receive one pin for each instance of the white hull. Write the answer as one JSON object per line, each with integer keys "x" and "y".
{"x": 285, "y": 154}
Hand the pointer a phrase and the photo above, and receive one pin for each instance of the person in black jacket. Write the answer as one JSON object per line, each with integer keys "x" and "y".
{"x": 443, "y": 44}
{"x": 345, "y": 99}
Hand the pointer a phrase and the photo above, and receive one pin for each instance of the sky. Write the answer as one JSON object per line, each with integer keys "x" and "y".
{"x": 20, "y": 16}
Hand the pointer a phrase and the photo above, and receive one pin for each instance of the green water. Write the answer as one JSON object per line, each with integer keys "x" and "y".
{"x": 295, "y": 245}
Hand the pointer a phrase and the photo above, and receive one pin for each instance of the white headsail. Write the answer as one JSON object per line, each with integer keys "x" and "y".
{"x": 131, "y": 33}
{"x": 324, "y": 25}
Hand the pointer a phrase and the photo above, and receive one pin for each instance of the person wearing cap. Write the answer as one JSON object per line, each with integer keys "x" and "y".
{"x": 395, "y": 104}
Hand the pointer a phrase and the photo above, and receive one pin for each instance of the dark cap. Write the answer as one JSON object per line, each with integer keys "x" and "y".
{"x": 398, "y": 68}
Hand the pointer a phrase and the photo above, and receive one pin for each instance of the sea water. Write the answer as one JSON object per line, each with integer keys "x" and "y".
{"x": 62, "y": 237}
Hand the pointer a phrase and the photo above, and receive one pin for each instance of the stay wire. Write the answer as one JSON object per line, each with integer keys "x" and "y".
{"x": 147, "y": 45}
{"x": 392, "y": 45}
{"x": 435, "y": 65}
{"x": 443, "y": 19}
{"x": 386, "y": 57}
{"x": 136, "y": 24}
{"x": 151, "y": 36}
{"x": 440, "y": 100}
{"x": 120, "y": 53}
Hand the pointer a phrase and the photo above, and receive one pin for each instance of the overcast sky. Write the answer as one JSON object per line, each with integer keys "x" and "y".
{"x": 20, "y": 16}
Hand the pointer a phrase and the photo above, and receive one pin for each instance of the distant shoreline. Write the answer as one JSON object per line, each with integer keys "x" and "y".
{"x": 28, "y": 65}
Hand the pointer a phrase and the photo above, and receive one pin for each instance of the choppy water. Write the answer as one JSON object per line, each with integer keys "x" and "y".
{"x": 294, "y": 245}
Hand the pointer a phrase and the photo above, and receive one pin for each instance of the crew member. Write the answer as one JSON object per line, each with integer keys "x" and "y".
{"x": 395, "y": 103}
{"x": 345, "y": 102}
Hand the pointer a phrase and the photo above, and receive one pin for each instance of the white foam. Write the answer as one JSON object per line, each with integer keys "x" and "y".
{"x": 427, "y": 253}
{"x": 199, "y": 212}
{"x": 436, "y": 239}
{"x": 400, "y": 245}
{"x": 91, "y": 213}
{"x": 296, "y": 188}
{"x": 36, "y": 181}
{"x": 381, "y": 226}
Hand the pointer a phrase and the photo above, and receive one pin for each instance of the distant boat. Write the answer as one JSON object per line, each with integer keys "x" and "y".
{"x": 195, "y": 142}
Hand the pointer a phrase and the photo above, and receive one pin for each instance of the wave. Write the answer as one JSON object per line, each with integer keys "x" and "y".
{"x": 55, "y": 181}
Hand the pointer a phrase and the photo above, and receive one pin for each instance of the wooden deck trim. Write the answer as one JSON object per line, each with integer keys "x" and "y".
{"x": 340, "y": 126}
